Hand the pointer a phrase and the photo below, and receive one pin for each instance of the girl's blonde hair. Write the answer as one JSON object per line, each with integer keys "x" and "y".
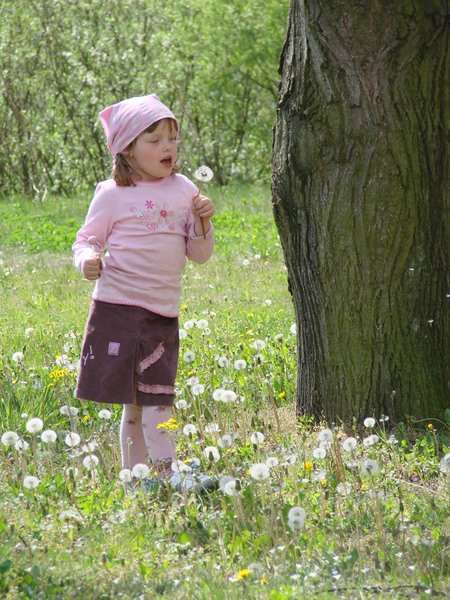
{"x": 122, "y": 173}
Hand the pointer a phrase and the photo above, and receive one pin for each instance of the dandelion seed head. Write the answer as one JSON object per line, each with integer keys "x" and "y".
{"x": 90, "y": 461}
{"x": 258, "y": 345}
{"x": 189, "y": 357}
{"x": 197, "y": 389}
{"x": 228, "y": 396}
{"x": 202, "y": 324}
{"x": 257, "y": 438}
{"x": 189, "y": 429}
{"x": 34, "y": 425}
{"x": 240, "y": 364}
{"x": 17, "y": 357}
{"x": 203, "y": 174}
{"x": 188, "y": 325}
{"x": 444, "y": 464}
{"x": 369, "y": 467}
{"x": 31, "y": 482}
{"x": 272, "y": 462}
{"x": 72, "y": 439}
{"x": 371, "y": 440}
{"x": 326, "y": 435}
{"x": 104, "y": 414}
{"x": 223, "y": 362}
{"x": 181, "y": 404}
{"x": 21, "y": 446}
{"x": 182, "y": 334}
{"x": 369, "y": 422}
{"x": 344, "y": 488}
{"x": 296, "y": 518}
{"x": 212, "y": 428}
{"x": 140, "y": 471}
{"x": 319, "y": 453}
{"x": 259, "y": 471}
{"x": 69, "y": 411}
{"x": 211, "y": 453}
{"x": 49, "y": 436}
{"x": 178, "y": 466}
{"x": 225, "y": 441}
{"x": 125, "y": 475}
{"x": 349, "y": 444}
{"x": 293, "y": 329}
{"x": 9, "y": 438}
{"x": 268, "y": 302}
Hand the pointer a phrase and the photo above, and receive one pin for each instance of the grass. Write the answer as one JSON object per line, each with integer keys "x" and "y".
{"x": 377, "y": 534}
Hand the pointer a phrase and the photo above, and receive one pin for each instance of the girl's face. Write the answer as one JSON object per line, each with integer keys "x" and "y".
{"x": 153, "y": 154}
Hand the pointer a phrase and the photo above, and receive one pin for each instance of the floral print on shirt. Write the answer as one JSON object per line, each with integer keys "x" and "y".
{"x": 156, "y": 216}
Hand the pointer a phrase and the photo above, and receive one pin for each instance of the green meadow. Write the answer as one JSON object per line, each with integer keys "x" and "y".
{"x": 303, "y": 509}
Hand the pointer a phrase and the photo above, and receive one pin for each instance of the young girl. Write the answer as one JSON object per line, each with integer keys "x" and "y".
{"x": 145, "y": 220}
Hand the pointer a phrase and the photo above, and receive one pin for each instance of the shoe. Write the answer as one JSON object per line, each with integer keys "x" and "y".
{"x": 193, "y": 482}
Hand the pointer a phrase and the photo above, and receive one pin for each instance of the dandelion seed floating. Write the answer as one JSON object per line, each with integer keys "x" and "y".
{"x": 203, "y": 174}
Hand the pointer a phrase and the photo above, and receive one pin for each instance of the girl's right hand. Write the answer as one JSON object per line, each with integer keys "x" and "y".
{"x": 92, "y": 267}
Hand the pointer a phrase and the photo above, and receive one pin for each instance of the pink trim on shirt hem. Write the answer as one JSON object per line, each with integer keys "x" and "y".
{"x": 150, "y": 360}
{"x": 155, "y": 389}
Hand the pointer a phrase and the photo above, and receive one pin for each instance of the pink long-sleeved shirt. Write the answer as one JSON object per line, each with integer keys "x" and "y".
{"x": 147, "y": 232}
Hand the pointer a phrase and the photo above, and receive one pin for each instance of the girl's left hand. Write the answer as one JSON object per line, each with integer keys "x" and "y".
{"x": 203, "y": 207}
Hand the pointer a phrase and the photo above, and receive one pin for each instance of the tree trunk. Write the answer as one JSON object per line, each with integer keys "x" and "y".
{"x": 360, "y": 194}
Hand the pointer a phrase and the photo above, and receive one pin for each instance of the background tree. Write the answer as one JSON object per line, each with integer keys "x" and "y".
{"x": 360, "y": 193}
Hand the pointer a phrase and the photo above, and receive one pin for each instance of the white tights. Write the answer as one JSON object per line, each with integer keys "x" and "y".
{"x": 140, "y": 437}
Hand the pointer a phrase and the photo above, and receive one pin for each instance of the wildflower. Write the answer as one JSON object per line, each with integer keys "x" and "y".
{"x": 203, "y": 174}
{"x": 170, "y": 425}
{"x": 202, "y": 324}
{"x": 430, "y": 426}
{"x": 29, "y": 331}
{"x": 272, "y": 462}
{"x": 189, "y": 429}
{"x": 49, "y": 436}
{"x": 140, "y": 471}
{"x": 72, "y": 439}
{"x": 444, "y": 464}
{"x": 178, "y": 466}
{"x": 223, "y": 361}
{"x": 90, "y": 461}
{"x": 226, "y": 441}
{"x": 192, "y": 381}
{"x": 243, "y": 574}
{"x": 291, "y": 459}
{"x": 9, "y": 438}
{"x": 69, "y": 411}
{"x": 293, "y": 329}
{"x": 104, "y": 414}
{"x": 227, "y": 484}
{"x": 369, "y": 422}
{"x": 319, "y": 453}
{"x": 296, "y": 518}
{"x": 198, "y": 389}
{"x": 228, "y": 396}
{"x": 268, "y": 302}
{"x": 259, "y": 358}
{"x": 369, "y": 467}
{"x": 240, "y": 364}
{"x": 189, "y": 357}
{"x": 349, "y": 444}
{"x": 371, "y": 440}
{"x": 308, "y": 465}
{"x": 211, "y": 453}
{"x": 245, "y": 262}
{"x": 181, "y": 404}
{"x": 31, "y": 482}
{"x": 259, "y": 471}
{"x": 344, "y": 488}
{"x": 21, "y": 446}
{"x": 125, "y": 475}
{"x": 17, "y": 357}
{"x": 257, "y": 438}
{"x": 258, "y": 345}
{"x": 34, "y": 425}
{"x": 188, "y": 325}
{"x": 326, "y": 435}
{"x": 182, "y": 334}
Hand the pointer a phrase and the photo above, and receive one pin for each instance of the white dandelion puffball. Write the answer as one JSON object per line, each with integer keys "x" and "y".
{"x": 272, "y": 462}
{"x": 369, "y": 467}
{"x": 31, "y": 482}
{"x": 140, "y": 471}
{"x": 258, "y": 345}
{"x": 444, "y": 464}
{"x": 104, "y": 414}
{"x": 34, "y": 425}
{"x": 296, "y": 518}
{"x": 182, "y": 334}
{"x": 344, "y": 488}
{"x": 349, "y": 444}
{"x": 293, "y": 329}
{"x": 125, "y": 475}
{"x": 178, "y": 466}
{"x": 326, "y": 435}
{"x": 225, "y": 441}
{"x": 189, "y": 357}
{"x": 181, "y": 404}
{"x": 17, "y": 357}
{"x": 69, "y": 411}
{"x": 197, "y": 389}
{"x": 21, "y": 446}
{"x": 211, "y": 453}
{"x": 90, "y": 461}
{"x": 227, "y": 484}
{"x": 319, "y": 453}
{"x": 62, "y": 361}
{"x": 223, "y": 362}
{"x": 202, "y": 324}
{"x": 257, "y": 438}
{"x": 29, "y": 331}
{"x": 228, "y": 396}
{"x": 259, "y": 471}
{"x": 240, "y": 364}
{"x": 188, "y": 325}
{"x": 203, "y": 174}
{"x": 49, "y": 436}
{"x": 9, "y": 438}
{"x": 371, "y": 440}
{"x": 212, "y": 428}
{"x": 72, "y": 439}
{"x": 369, "y": 422}
{"x": 189, "y": 429}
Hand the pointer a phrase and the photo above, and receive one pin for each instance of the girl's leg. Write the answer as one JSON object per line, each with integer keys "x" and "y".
{"x": 132, "y": 441}
{"x": 159, "y": 441}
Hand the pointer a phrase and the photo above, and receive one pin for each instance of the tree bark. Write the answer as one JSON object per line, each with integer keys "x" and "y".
{"x": 361, "y": 196}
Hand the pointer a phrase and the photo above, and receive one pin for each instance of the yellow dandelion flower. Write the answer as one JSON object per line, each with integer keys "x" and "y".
{"x": 264, "y": 580}
{"x": 282, "y": 394}
{"x": 430, "y": 426}
{"x": 86, "y": 418}
{"x": 323, "y": 482}
{"x": 308, "y": 465}
{"x": 243, "y": 574}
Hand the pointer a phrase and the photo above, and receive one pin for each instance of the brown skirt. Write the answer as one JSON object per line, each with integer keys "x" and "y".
{"x": 129, "y": 356}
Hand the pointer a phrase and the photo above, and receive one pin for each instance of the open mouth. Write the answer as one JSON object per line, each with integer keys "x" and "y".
{"x": 167, "y": 162}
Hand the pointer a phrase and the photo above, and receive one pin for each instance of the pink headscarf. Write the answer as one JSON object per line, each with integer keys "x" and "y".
{"x": 124, "y": 121}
